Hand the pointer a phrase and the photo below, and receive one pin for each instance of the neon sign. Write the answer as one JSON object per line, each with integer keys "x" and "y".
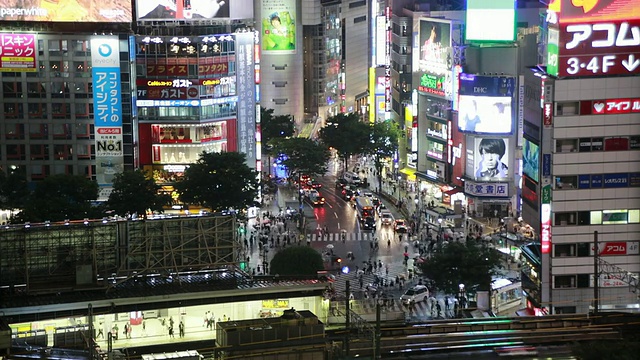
{"x": 432, "y": 84}
{"x": 608, "y": 48}
{"x": 615, "y": 106}
{"x": 545, "y": 234}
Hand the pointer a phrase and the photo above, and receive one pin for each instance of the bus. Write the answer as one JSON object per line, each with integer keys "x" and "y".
{"x": 364, "y": 208}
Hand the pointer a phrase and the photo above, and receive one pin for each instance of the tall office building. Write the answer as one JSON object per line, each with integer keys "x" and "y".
{"x": 280, "y": 25}
{"x": 583, "y": 161}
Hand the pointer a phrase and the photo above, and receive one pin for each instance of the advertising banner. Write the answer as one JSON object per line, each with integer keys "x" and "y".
{"x": 167, "y": 93}
{"x": 18, "y": 53}
{"x": 381, "y": 40}
{"x": 432, "y": 50}
{"x": 432, "y": 84}
{"x": 529, "y": 192}
{"x": 531, "y": 160}
{"x": 115, "y": 11}
{"x": 489, "y": 159}
{"x": 500, "y": 190}
{"x": 572, "y": 11}
{"x": 485, "y": 104}
{"x": 186, "y": 103}
{"x": 545, "y": 226}
{"x": 107, "y": 94}
{"x": 546, "y": 165}
{"x": 492, "y": 21}
{"x": 246, "y": 97}
{"x": 278, "y": 26}
{"x": 153, "y": 10}
{"x": 107, "y": 104}
{"x": 612, "y": 106}
{"x": 457, "y": 151}
{"x": 618, "y": 248}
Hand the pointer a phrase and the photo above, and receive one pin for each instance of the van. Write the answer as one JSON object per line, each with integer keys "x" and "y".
{"x": 415, "y": 294}
{"x": 352, "y": 178}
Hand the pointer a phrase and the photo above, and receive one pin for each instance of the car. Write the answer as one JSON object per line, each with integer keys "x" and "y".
{"x": 415, "y": 294}
{"x": 369, "y": 223}
{"x": 400, "y": 226}
{"x": 386, "y": 218}
{"x": 376, "y": 202}
{"x": 348, "y": 194}
{"x": 315, "y": 198}
{"x": 341, "y": 183}
{"x": 314, "y": 184}
{"x": 382, "y": 207}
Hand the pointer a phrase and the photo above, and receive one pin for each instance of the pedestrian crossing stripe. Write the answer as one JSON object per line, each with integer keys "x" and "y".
{"x": 338, "y": 237}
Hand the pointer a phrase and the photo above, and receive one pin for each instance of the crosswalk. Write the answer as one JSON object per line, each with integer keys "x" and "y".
{"x": 355, "y": 236}
{"x": 422, "y": 310}
{"x": 358, "y": 236}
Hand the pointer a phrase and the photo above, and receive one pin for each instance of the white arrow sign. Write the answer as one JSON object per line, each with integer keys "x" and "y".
{"x": 631, "y": 64}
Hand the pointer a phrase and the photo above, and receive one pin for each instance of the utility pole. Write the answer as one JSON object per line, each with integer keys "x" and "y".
{"x": 377, "y": 335}
{"x": 596, "y": 276}
{"x": 347, "y": 318}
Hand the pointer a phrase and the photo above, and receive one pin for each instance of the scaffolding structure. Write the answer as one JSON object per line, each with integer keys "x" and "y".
{"x": 82, "y": 255}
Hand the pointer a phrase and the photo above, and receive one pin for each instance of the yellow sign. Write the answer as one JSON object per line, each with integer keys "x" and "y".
{"x": 275, "y": 304}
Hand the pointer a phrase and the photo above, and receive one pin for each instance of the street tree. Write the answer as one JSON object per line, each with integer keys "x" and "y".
{"x": 14, "y": 190}
{"x": 302, "y": 156}
{"x": 347, "y": 134}
{"x": 219, "y": 181}
{"x": 134, "y": 192}
{"x": 296, "y": 260}
{"x": 275, "y": 127}
{"x": 383, "y": 144}
{"x": 60, "y": 197}
{"x": 469, "y": 263}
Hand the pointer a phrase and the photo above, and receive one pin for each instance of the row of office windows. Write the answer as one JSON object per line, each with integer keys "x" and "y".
{"x": 46, "y": 131}
{"x": 617, "y": 143}
{"x": 188, "y": 113}
{"x": 597, "y": 217}
{"x": 41, "y": 111}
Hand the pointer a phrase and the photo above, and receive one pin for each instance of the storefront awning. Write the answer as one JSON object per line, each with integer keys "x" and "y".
{"x": 453, "y": 191}
{"x": 410, "y": 173}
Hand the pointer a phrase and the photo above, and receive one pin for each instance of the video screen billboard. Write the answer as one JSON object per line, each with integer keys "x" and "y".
{"x": 493, "y": 20}
{"x": 531, "y": 160}
{"x": 571, "y": 11}
{"x": 488, "y": 158}
{"x": 150, "y": 10}
{"x": 433, "y": 48}
{"x": 117, "y": 11}
{"x": 278, "y": 26}
{"x": 485, "y": 104}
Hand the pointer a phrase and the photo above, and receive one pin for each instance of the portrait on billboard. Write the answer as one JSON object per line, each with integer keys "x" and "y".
{"x": 278, "y": 26}
{"x": 66, "y": 10}
{"x": 434, "y": 45}
{"x": 182, "y": 9}
{"x": 530, "y": 160}
{"x": 491, "y": 159}
{"x": 485, "y": 114}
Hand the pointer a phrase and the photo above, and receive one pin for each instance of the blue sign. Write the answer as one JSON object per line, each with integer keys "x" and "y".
{"x": 105, "y": 73}
{"x": 486, "y": 85}
{"x": 584, "y": 182}
{"x": 596, "y": 181}
{"x": 546, "y": 164}
{"x": 616, "y": 180}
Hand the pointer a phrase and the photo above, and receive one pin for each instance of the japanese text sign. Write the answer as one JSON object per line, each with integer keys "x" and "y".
{"x": 18, "y": 53}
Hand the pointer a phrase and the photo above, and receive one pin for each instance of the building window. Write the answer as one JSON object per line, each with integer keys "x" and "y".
{"x": 565, "y": 309}
{"x": 16, "y": 152}
{"x": 566, "y": 145}
{"x": 565, "y": 218}
{"x": 39, "y": 152}
{"x": 567, "y": 108}
{"x": 564, "y": 281}
{"x": 359, "y": 19}
{"x": 38, "y": 131}
{"x": 565, "y": 250}
{"x": 566, "y": 182}
{"x": 14, "y": 131}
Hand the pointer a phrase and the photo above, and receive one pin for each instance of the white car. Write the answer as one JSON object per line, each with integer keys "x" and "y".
{"x": 415, "y": 294}
{"x": 386, "y": 218}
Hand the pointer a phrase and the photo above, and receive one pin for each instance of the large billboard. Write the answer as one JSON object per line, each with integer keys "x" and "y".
{"x": 432, "y": 48}
{"x": 246, "y": 96}
{"x": 531, "y": 160}
{"x": 107, "y": 104}
{"x": 278, "y": 26}
{"x": 117, "y": 11}
{"x": 488, "y": 158}
{"x": 150, "y": 10}
{"x": 596, "y": 38}
{"x": 18, "y": 53}
{"x": 493, "y": 20}
{"x": 485, "y": 104}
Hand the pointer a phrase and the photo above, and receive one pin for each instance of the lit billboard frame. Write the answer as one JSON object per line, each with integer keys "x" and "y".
{"x": 488, "y": 158}
{"x": 91, "y": 11}
{"x": 432, "y": 46}
{"x": 18, "y": 53}
{"x": 193, "y": 10}
{"x": 485, "y": 104}
{"x": 490, "y": 21}
{"x": 278, "y": 26}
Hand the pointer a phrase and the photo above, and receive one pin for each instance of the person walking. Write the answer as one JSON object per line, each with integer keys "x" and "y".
{"x": 171, "y": 332}
{"x": 128, "y": 329}
{"x": 181, "y": 329}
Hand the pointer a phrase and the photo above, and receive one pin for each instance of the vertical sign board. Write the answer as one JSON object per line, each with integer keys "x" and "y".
{"x": 545, "y": 219}
{"x": 246, "y": 97}
{"x": 107, "y": 110}
{"x": 381, "y": 40}
{"x": 520, "y": 110}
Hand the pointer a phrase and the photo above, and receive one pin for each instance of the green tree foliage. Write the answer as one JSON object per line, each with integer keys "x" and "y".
{"x": 274, "y": 127}
{"x": 303, "y": 156}
{"x": 383, "y": 144}
{"x": 135, "y": 192}
{"x": 60, "y": 197}
{"x": 347, "y": 134}
{"x": 14, "y": 190}
{"x": 219, "y": 181}
{"x": 470, "y": 263}
{"x": 296, "y": 260}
